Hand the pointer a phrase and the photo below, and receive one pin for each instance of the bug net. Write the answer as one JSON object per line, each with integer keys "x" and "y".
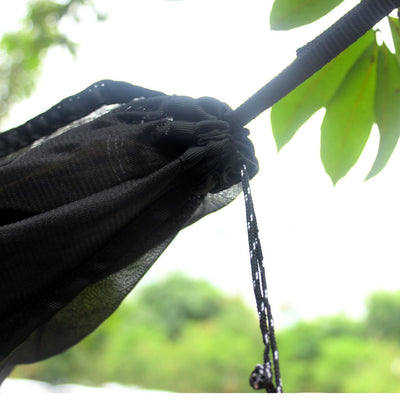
{"x": 85, "y": 212}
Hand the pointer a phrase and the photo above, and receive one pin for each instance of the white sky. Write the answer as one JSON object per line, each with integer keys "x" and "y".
{"x": 326, "y": 248}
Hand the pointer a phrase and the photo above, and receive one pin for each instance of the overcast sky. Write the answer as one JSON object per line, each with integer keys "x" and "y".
{"x": 326, "y": 248}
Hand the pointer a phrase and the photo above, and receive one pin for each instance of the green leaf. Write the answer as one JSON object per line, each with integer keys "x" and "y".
{"x": 290, "y": 113}
{"x": 395, "y": 30}
{"x": 288, "y": 14}
{"x": 349, "y": 117}
{"x": 387, "y": 107}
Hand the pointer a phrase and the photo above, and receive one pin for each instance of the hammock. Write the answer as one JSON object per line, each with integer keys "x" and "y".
{"x": 87, "y": 209}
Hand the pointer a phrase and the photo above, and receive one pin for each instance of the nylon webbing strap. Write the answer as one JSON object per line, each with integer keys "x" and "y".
{"x": 263, "y": 375}
{"x": 315, "y": 55}
{"x": 72, "y": 108}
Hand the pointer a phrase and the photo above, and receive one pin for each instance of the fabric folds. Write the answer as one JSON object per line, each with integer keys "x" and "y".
{"x": 84, "y": 214}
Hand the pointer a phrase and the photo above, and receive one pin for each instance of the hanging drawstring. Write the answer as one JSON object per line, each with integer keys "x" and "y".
{"x": 310, "y": 59}
{"x": 263, "y": 375}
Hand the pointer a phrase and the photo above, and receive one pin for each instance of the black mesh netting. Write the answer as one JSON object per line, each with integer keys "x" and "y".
{"x": 85, "y": 213}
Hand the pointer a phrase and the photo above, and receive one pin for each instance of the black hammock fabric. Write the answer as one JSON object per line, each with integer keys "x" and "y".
{"x": 85, "y": 213}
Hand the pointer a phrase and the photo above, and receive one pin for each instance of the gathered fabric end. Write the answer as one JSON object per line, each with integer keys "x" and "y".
{"x": 85, "y": 213}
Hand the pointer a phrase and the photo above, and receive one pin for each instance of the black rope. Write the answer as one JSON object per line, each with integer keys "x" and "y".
{"x": 315, "y": 55}
{"x": 263, "y": 375}
{"x": 72, "y": 108}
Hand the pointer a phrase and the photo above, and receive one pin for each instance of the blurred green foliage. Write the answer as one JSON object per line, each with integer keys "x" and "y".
{"x": 184, "y": 335}
{"x": 22, "y": 51}
{"x": 383, "y": 319}
{"x": 179, "y": 334}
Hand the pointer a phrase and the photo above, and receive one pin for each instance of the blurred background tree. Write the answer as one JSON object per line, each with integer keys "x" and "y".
{"x": 184, "y": 335}
{"x": 23, "y": 51}
{"x": 178, "y": 334}
{"x": 384, "y": 315}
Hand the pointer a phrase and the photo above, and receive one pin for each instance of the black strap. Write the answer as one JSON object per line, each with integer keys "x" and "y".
{"x": 310, "y": 58}
{"x": 313, "y": 56}
{"x": 72, "y": 108}
{"x": 262, "y": 376}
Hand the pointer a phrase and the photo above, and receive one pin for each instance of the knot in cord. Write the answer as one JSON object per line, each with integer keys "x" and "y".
{"x": 261, "y": 378}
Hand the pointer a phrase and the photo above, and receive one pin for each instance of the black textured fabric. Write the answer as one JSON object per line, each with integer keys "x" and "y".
{"x": 84, "y": 214}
